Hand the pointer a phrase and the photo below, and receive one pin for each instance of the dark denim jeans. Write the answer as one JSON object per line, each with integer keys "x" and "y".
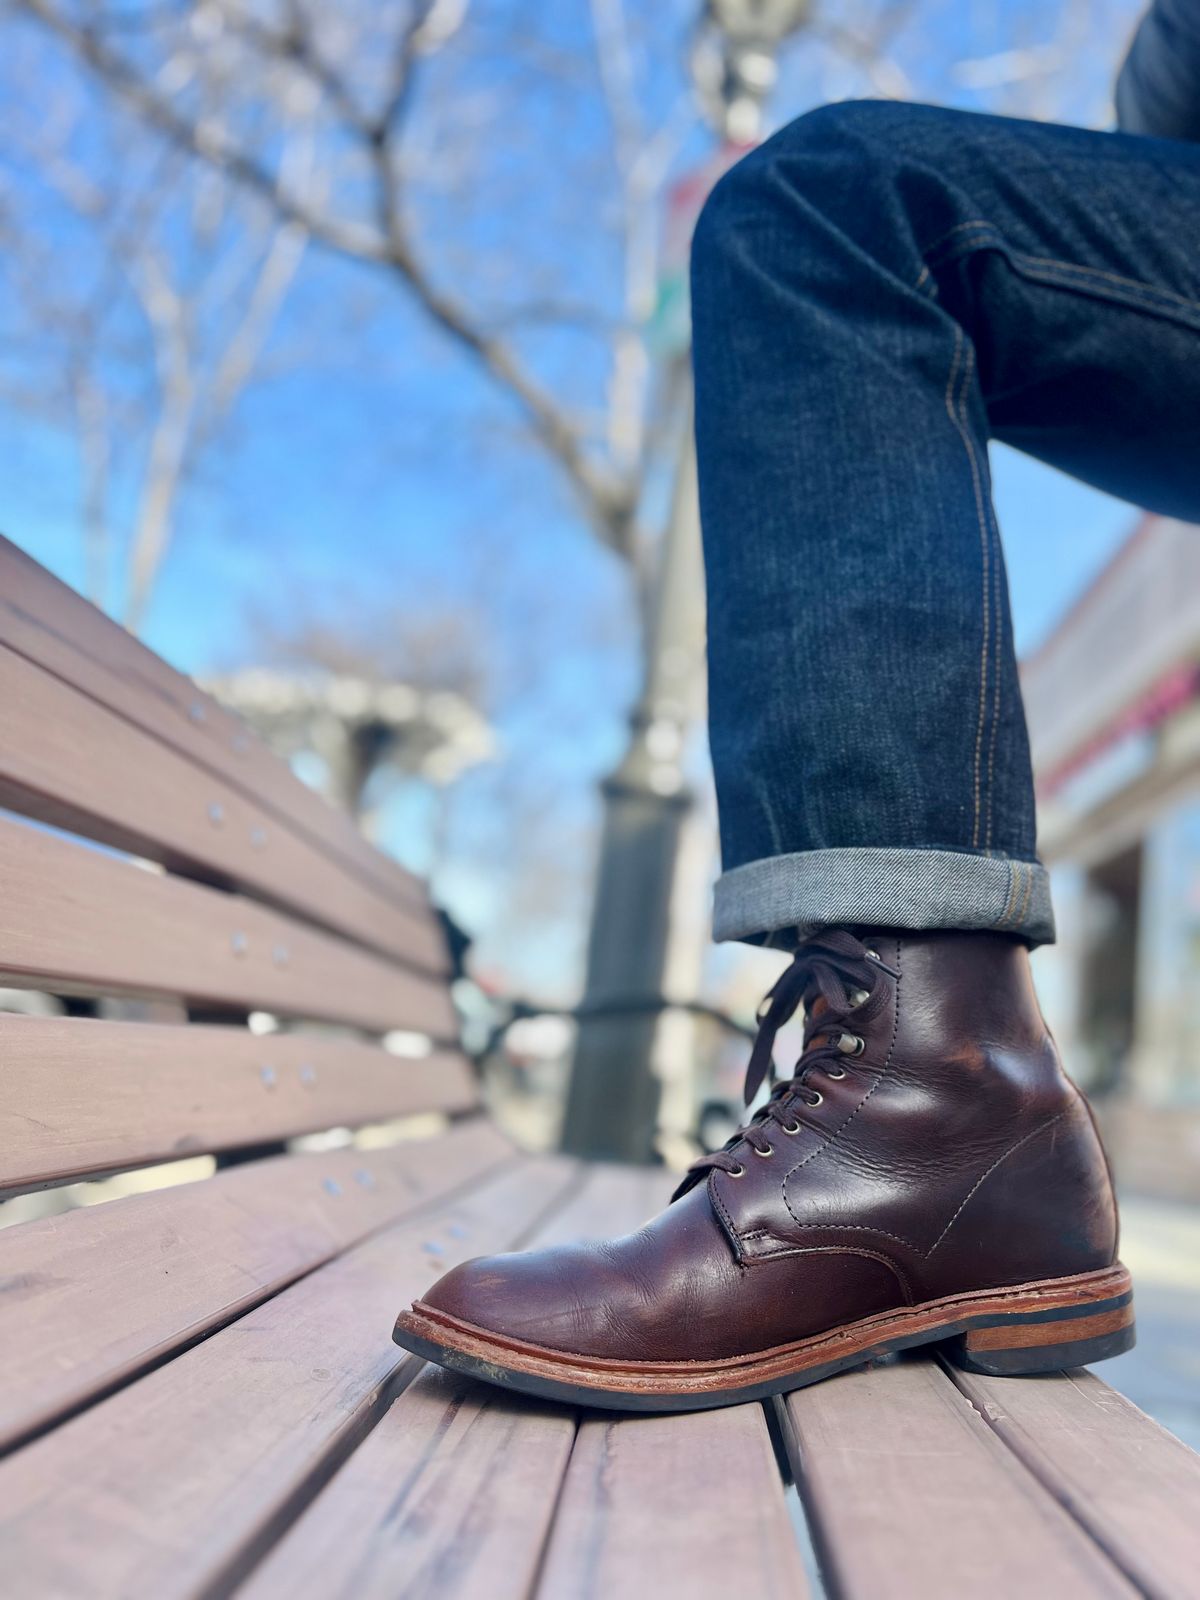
{"x": 877, "y": 291}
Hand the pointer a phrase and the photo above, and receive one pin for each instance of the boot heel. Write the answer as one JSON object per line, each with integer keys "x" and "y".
{"x": 1045, "y": 1342}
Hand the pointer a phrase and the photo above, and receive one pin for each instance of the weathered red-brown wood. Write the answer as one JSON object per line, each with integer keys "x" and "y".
{"x": 96, "y": 1294}
{"x": 71, "y": 762}
{"x": 909, "y": 1492}
{"x": 690, "y": 1504}
{"x": 50, "y": 624}
{"x": 481, "y": 1474}
{"x": 481, "y": 1470}
{"x": 76, "y": 919}
{"x": 173, "y": 1486}
{"x": 638, "y": 1512}
{"x": 1133, "y": 1486}
{"x": 452, "y": 1493}
{"x": 81, "y": 1097}
{"x": 609, "y": 1200}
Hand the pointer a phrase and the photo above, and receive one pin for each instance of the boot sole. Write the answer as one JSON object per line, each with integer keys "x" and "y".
{"x": 1028, "y": 1329}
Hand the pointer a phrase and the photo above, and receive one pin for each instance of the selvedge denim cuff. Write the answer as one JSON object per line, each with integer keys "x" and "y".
{"x": 875, "y": 888}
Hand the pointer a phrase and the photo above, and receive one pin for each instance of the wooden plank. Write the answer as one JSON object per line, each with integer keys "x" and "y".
{"x": 690, "y": 1504}
{"x": 69, "y": 761}
{"x": 97, "y": 1294}
{"x": 175, "y": 1485}
{"x": 452, "y": 1493}
{"x": 1132, "y": 1485}
{"x": 50, "y": 624}
{"x": 82, "y": 1097}
{"x": 910, "y": 1493}
{"x": 635, "y": 1514}
{"x": 73, "y": 918}
{"x": 611, "y": 1200}
{"x": 457, "y": 1477}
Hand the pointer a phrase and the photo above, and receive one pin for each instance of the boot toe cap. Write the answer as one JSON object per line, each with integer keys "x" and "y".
{"x": 533, "y": 1296}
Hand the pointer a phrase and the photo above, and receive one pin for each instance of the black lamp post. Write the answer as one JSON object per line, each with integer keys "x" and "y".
{"x": 613, "y": 1101}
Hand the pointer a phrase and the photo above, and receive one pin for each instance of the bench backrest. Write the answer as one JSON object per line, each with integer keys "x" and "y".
{"x": 152, "y": 847}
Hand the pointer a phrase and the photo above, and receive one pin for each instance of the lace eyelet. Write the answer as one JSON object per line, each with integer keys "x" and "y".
{"x": 873, "y": 955}
{"x": 835, "y": 1072}
{"x": 737, "y": 1172}
{"x": 851, "y": 1045}
{"x": 794, "y": 1127}
{"x": 817, "y": 1097}
{"x": 769, "y": 1151}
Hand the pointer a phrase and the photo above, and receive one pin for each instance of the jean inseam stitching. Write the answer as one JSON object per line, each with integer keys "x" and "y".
{"x": 961, "y": 427}
{"x": 926, "y": 251}
{"x": 1026, "y": 897}
{"x": 1022, "y": 885}
{"x": 1013, "y": 880}
{"x": 1142, "y": 296}
{"x": 992, "y": 612}
{"x": 950, "y": 383}
{"x": 997, "y": 647}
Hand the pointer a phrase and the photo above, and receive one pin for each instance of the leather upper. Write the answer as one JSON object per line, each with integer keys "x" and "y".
{"x": 952, "y": 1154}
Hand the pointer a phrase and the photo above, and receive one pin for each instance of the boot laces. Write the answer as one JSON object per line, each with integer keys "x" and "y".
{"x": 837, "y": 979}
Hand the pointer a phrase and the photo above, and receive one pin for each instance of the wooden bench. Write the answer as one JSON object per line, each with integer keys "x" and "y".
{"x": 198, "y": 1390}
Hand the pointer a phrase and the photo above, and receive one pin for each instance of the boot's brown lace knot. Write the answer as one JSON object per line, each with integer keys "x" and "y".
{"x": 836, "y": 977}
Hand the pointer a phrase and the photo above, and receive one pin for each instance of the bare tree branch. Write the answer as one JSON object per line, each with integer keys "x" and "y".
{"x": 609, "y": 498}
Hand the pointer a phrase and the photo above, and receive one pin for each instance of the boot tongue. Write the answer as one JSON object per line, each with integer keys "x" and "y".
{"x": 814, "y": 1009}
{"x": 814, "y": 1005}
{"x": 820, "y": 978}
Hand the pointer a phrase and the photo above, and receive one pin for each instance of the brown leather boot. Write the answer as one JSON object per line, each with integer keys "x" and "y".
{"x": 929, "y": 1175}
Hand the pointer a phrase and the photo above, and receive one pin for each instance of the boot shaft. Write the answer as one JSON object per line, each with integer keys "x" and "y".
{"x": 950, "y": 1137}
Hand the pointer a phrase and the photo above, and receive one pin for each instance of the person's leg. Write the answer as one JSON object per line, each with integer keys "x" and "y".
{"x": 876, "y": 290}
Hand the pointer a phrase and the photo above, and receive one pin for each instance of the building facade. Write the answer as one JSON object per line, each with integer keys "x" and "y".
{"x": 1113, "y": 701}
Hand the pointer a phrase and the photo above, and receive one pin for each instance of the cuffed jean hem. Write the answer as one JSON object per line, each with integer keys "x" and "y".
{"x": 811, "y": 889}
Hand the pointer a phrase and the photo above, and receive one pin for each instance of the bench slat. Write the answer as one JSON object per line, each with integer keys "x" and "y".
{"x": 50, "y": 624}
{"x": 689, "y": 1504}
{"x": 82, "y": 1097}
{"x": 481, "y": 1470}
{"x": 652, "y": 1528}
{"x": 69, "y": 761}
{"x": 173, "y": 1486}
{"x": 99, "y": 1293}
{"x": 1132, "y": 1485}
{"x": 75, "y": 918}
{"x": 610, "y": 1200}
{"x": 909, "y": 1492}
{"x": 481, "y": 1473}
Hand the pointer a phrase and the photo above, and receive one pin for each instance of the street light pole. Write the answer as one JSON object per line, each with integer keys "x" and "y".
{"x": 613, "y": 1099}
{"x": 612, "y": 1106}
